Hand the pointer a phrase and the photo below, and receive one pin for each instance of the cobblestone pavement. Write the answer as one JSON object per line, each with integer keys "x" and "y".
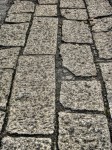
{"x": 56, "y": 75}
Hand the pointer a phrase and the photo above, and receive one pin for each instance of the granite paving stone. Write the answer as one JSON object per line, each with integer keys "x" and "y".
{"x": 48, "y": 1}
{"x": 46, "y": 10}
{"x": 83, "y": 131}
{"x": 82, "y": 95}
{"x": 2, "y": 116}
{"x": 72, "y": 4}
{"x": 28, "y": 143}
{"x": 78, "y": 59}
{"x": 75, "y": 31}
{"x": 103, "y": 41}
{"x": 8, "y": 57}
{"x": 33, "y": 96}
{"x": 13, "y": 34}
{"x": 107, "y": 76}
{"x": 5, "y": 83}
{"x": 78, "y": 14}
{"x": 43, "y": 35}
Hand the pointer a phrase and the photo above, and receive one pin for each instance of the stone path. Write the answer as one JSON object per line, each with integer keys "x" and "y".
{"x": 56, "y": 75}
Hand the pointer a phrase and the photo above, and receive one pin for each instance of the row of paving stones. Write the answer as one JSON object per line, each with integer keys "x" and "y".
{"x": 34, "y": 81}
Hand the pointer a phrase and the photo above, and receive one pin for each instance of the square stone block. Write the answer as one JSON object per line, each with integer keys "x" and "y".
{"x": 72, "y": 4}
{"x": 2, "y": 116}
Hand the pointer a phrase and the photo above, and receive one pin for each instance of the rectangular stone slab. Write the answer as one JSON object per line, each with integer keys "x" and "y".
{"x": 33, "y": 96}
{"x": 2, "y": 116}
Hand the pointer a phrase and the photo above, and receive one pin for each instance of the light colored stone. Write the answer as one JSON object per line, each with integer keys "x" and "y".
{"x": 23, "y": 17}
{"x": 98, "y": 8}
{"x": 13, "y": 34}
{"x": 83, "y": 131}
{"x": 8, "y": 57}
{"x": 79, "y": 14}
{"x": 26, "y": 143}
{"x": 43, "y": 36}
{"x": 21, "y": 6}
{"x": 48, "y": 1}
{"x": 32, "y": 105}
{"x": 2, "y": 116}
{"x": 78, "y": 59}
{"x": 104, "y": 24}
{"x": 72, "y": 3}
{"x": 103, "y": 42}
{"x": 82, "y": 95}
{"x": 5, "y": 83}
{"x": 107, "y": 76}
{"x": 46, "y": 10}
{"x": 75, "y": 31}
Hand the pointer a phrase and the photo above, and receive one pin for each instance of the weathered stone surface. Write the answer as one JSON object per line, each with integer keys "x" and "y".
{"x": 78, "y": 59}
{"x": 74, "y": 31}
{"x": 23, "y": 17}
{"x": 48, "y": 1}
{"x": 8, "y": 57}
{"x": 2, "y": 115}
{"x": 98, "y": 8}
{"x": 22, "y": 143}
{"x": 103, "y": 42}
{"x": 5, "y": 83}
{"x": 21, "y": 6}
{"x": 79, "y": 14}
{"x": 82, "y": 95}
{"x": 43, "y": 36}
{"x": 33, "y": 97}
{"x": 104, "y": 24}
{"x": 46, "y": 10}
{"x": 72, "y": 3}
{"x": 13, "y": 34}
{"x": 83, "y": 131}
{"x": 107, "y": 76}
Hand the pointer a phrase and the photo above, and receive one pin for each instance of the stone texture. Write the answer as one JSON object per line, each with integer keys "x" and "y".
{"x": 78, "y": 59}
{"x": 5, "y": 83}
{"x": 82, "y": 95}
{"x": 83, "y": 131}
{"x": 79, "y": 14}
{"x": 103, "y": 42}
{"x": 2, "y": 115}
{"x": 98, "y": 8}
{"x": 46, "y": 10}
{"x": 74, "y": 31}
{"x": 43, "y": 36}
{"x": 23, "y": 17}
{"x": 33, "y": 97}
{"x": 72, "y": 3}
{"x": 13, "y": 34}
{"x": 107, "y": 76}
{"x": 48, "y": 1}
{"x": 104, "y": 24}
{"x": 21, "y": 6}
{"x": 22, "y": 143}
{"x": 8, "y": 57}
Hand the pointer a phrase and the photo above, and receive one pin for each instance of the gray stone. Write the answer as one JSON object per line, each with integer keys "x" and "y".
{"x": 5, "y": 83}
{"x": 78, "y": 59}
{"x": 32, "y": 105}
{"x": 48, "y": 1}
{"x": 43, "y": 36}
{"x": 72, "y": 3}
{"x": 21, "y": 6}
{"x": 8, "y": 57}
{"x": 83, "y": 131}
{"x": 104, "y": 24}
{"x": 103, "y": 42}
{"x": 79, "y": 14}
{"x": 98, "y": 8}
{"x": 82, "y": 95}
{"x": 2, "y": 116}
{"x": 23, "y": 17}
{"x": 46, "y": 10}
{"x": 13, "y": 34}
{"x": 75, "y": 31}
{"x": 28, "y": 143}
{"x": 107, "y": 76}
